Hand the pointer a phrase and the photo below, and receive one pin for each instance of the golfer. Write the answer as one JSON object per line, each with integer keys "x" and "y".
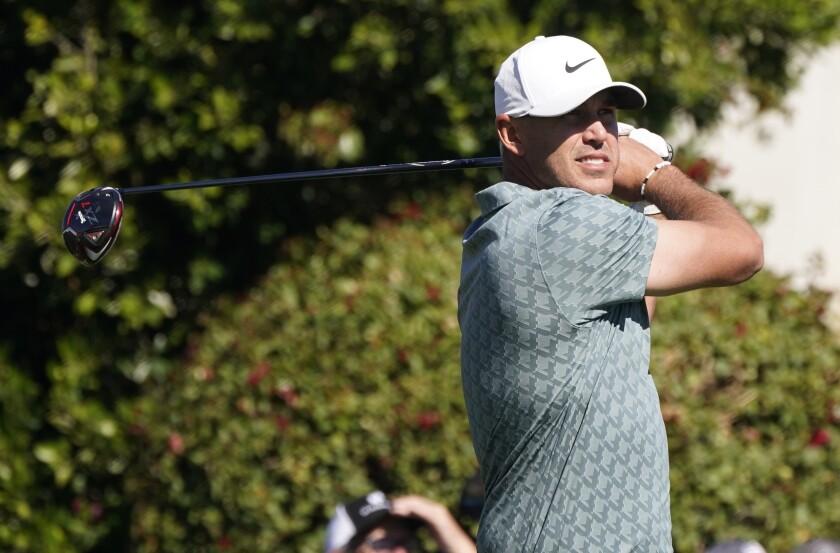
{"x": 563, "y": 411}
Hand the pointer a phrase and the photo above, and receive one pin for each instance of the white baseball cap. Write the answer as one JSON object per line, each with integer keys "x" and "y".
{"x": 551, "y": 76}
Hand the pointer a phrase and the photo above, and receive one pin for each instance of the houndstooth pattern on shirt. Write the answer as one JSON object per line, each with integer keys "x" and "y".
{"x": 555, "y": 349}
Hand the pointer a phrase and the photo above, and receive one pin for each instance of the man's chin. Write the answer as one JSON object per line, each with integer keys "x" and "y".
{"x": 596, "y": 186}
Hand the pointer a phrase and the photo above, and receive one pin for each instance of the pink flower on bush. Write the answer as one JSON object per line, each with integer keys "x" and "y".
{"x": 175, "y": 443}
{"x": 428, "y": 419}
{"x": 819, "y": 438}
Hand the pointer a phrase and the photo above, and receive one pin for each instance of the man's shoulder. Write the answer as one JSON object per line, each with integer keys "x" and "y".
{"x": 504, "y": 193}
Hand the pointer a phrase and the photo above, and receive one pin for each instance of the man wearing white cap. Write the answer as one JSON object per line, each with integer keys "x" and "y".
{"x": 555, "y": 350}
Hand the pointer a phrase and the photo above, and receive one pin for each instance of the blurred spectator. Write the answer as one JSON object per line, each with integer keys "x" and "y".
{"x": 737, "y": 546}
{"x": 375, "y": 523}
{"x": 819, "y": 545}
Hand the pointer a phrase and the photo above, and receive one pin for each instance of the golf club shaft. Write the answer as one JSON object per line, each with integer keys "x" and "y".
{"x": 442, "y": 165}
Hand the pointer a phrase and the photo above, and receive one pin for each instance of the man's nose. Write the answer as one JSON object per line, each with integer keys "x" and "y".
{"x": 595, "y": 132}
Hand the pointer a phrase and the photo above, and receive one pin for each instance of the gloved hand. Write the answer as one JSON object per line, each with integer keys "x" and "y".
{"x": 649, "y": 139}
{"x": 655, "y": 143}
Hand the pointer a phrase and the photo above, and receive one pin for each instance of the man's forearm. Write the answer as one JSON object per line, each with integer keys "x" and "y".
{"x": 681, "y": 199}
{"x": 704, "y": 242}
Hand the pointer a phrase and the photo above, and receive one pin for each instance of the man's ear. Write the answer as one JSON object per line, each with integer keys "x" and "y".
{"x": 510, "y": 135}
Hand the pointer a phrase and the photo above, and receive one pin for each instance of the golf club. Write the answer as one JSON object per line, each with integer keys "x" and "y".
{"x": 92, "y": 221}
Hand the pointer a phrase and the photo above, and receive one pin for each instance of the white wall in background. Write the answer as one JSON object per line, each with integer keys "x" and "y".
{"x": 791, "y": 162}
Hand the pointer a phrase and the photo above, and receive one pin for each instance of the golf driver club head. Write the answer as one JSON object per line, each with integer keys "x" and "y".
{"x": 92, "y": 222}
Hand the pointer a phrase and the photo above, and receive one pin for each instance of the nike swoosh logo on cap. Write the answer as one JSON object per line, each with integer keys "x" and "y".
{"x": 573, "y": 68}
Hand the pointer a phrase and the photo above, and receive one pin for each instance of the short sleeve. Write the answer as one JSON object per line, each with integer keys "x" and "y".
{"x": 594, "y": 252}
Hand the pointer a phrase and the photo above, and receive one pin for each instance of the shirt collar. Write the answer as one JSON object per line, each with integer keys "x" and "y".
{"x": 499, "y": 195}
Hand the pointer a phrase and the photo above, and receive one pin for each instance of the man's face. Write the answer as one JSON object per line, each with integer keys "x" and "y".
{"x": 578, "y": 149}
{"x": 391, "y": 536}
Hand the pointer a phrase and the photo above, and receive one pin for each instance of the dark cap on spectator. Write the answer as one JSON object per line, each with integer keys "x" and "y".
{"x": 356, "y": 517}
{"x": 360, "y": 516}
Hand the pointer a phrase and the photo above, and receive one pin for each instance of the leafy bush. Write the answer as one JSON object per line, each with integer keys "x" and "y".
{"x": 748, "y": 381}
{"x": 337, "y": 374}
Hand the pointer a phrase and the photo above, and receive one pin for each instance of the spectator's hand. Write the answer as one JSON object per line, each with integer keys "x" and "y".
{"x": 418, "y": 507}
{"x": 446, "y": 531}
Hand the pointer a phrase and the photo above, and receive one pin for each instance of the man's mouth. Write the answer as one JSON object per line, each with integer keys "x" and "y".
{"x": 592, "y": 160}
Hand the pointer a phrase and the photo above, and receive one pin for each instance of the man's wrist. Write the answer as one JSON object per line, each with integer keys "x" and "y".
{"x": 650, "y": 174}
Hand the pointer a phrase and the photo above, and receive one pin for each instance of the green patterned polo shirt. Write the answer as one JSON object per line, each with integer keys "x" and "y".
{"x": 563, "y": 412}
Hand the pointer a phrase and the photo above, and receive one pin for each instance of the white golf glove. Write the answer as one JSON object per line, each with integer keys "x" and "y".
{"x": 649, "y": 139}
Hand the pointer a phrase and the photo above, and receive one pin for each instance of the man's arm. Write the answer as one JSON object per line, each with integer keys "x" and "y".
{"x": 704, "y": 241}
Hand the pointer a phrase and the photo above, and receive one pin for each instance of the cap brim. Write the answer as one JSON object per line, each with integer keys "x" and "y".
{"x": 627, "y": 96}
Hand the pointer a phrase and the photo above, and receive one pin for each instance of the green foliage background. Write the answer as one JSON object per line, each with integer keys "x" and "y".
{"x": 246, "y": 357}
